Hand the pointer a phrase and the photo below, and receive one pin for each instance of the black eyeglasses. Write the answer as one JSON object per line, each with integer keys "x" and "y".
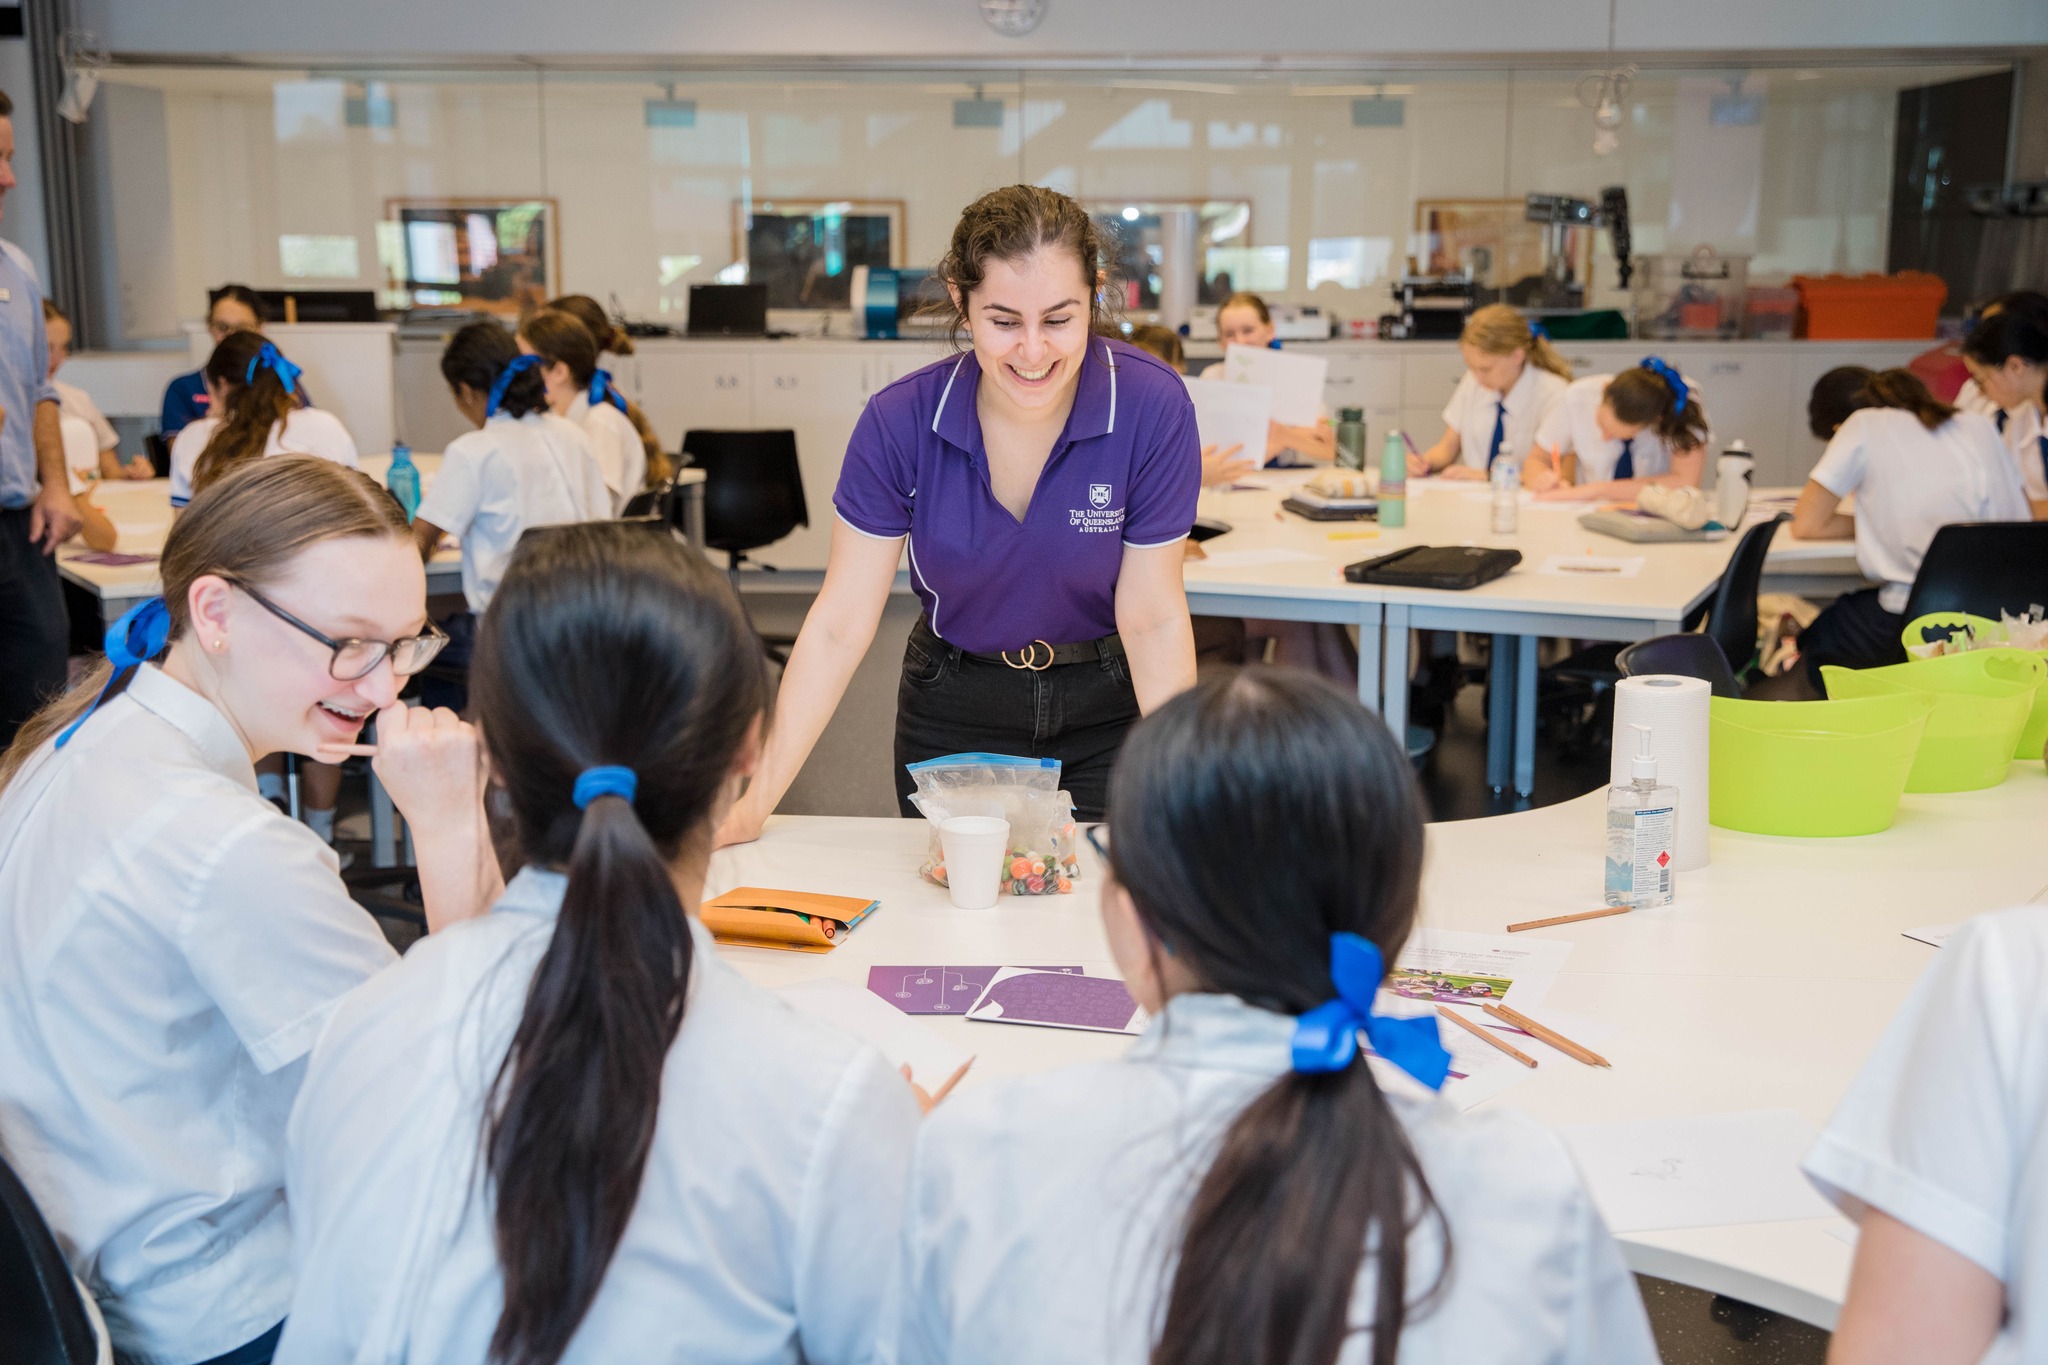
{"x": 358, "y": 658}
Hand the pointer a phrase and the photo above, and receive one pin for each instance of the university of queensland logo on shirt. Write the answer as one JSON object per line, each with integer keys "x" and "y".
{"x": 1098, "y": 517}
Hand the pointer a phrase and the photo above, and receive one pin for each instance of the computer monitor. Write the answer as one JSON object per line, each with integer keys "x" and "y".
{"x": 728, "y": 310}
{"x": 320, "y": 305}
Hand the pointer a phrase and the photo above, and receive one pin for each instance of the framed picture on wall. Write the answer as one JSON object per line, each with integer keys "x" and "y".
{"x": 1490, "y": 240}
{"x": 805, "y": 250}
{"x": 489, "y": 255}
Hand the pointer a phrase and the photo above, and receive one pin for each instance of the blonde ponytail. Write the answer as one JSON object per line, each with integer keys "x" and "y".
{"x": 1498, "y": 329}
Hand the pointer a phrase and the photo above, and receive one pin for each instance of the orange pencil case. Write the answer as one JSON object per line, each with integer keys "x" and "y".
{"x": 794, "y": 921}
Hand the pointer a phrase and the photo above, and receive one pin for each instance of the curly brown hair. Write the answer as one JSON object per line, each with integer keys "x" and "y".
{"x": 1009, "y": 224}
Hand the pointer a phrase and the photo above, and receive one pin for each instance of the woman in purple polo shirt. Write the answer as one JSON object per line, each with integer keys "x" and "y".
{"x": 1044, "y": 479}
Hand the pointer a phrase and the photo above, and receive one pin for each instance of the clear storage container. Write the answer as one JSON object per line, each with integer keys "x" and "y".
{"x": 1698, "y": 295}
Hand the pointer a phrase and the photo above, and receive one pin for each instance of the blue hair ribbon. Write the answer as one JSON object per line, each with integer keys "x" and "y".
{"x": 513, "y": 369}
{"x": 1536, "y": 332}
{"x": 139, "y": 634}
{"x": 1326, "y": 1038}
{"x": 612, "y": 780}
{"x": 602, "y": 390}
{"x": 1657, "y": 366}
{"x": 270, "y": 358}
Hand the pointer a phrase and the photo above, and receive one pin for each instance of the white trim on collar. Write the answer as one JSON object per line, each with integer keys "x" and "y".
{"x": 947, "y": 392}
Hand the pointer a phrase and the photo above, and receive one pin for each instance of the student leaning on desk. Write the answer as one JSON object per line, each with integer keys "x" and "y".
{"x": 1620, "y": 431}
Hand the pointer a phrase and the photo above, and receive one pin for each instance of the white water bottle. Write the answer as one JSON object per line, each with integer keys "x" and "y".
{"x": 1731, "y": 487}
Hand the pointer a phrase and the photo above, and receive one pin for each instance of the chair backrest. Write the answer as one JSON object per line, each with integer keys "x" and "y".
{"x": 45, "y": 1321}
{"x": 1688, "y": 656}
{"x": 158, "y": 448}
{"x": 753, "y": 486}
{"x": 1731, "y": 615}
{"x": 1983, "y": 567}
{"x": 648, "y": 502}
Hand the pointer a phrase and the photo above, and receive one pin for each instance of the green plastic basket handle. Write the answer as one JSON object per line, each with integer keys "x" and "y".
{"x": 1915, "y": 634}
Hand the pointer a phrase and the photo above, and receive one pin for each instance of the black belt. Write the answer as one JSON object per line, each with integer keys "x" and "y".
{"x": 1035, "y": 657}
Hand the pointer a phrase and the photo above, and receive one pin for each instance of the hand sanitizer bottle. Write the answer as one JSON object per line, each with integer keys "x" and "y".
{"x": 1642, "y": 832}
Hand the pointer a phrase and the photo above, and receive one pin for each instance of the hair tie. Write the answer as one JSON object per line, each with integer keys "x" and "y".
{"x": 515, "y": 367}
{"x": 1656, "y": 365}
{"x": 1326, "y": 1038}
{"x": 139, "y": 634}
{"x": 602, "y": 392}
{"x": 1536, "y": 332}
{"x": 592, "y": 783}
{"x": 272, "y": 359}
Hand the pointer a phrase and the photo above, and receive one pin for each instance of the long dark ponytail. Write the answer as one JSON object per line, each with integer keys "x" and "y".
{"x": 1317, "y": 1168}
{"x": 603, "y": 646}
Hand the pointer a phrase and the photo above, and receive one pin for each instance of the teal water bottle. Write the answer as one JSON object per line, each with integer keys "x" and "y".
{"x": 403, "y": 479}
{"x": 1394, "y": 481}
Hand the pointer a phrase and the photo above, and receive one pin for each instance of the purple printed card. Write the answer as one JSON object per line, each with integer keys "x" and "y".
{"x": 937, "y": 990}
{"x": 1021, "y": 995}
{"x": 110, "y": 559}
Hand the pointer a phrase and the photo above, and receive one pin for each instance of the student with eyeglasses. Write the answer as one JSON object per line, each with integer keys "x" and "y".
{"x": 170, "y": 944}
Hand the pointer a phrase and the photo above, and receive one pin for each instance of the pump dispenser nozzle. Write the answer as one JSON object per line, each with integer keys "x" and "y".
{"x": 1644, "y": 765}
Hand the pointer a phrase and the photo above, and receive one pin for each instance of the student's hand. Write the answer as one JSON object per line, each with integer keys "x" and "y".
{"x": 1222, "y": 464}
{"x": 928, "y": 1102}
{"x": 1587, "y": 492}
{"x": 1540, "y": 476}
{"x": 1465, "y": 473}
{"x": 138, "y": 467}
{"x": 1418, "y": 466}
{"x": 53, "y": 517}
{"x": 431, "y": 761}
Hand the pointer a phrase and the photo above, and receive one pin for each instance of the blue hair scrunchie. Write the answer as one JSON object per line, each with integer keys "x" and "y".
{"x": 270, "y": 358}
{"x": 1657, "y": 366}
{"x": 1326, "y": 1038}
{"x": 602, "y": 390}
{"x": 513, "y": 369}
{"x": 1536, "y": 332}
{"x": 141, "y": 633}
{"x": 592, "y": 783}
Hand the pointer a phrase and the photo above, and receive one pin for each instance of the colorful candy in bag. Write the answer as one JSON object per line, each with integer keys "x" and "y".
{"x": 1044, "y": 858}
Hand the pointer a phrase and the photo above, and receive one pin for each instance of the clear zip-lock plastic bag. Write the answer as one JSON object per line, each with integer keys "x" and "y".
{"x": 1043, "y": 858}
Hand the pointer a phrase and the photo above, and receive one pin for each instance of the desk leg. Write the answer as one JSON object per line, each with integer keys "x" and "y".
{"x": 381, "y": 819}
{"x": 1394, "y": 691}
{"x": 1525, "y": 716}
{"x": 1500, "y": 715}
{"x": 1370, "y": 630}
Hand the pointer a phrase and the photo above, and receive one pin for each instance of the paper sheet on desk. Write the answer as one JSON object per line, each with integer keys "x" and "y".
{"x": 1591, "y": 566}
{"x": 1453, "y": 967}
{"x": 897, "y": 1036}
{"x": 1707, "y": 1171}
{"x": 1252, "y": 559}
{"x": 1232, "y": 415}
{"x": 1295, "y": 381}
{"x": 1933, "y": 935}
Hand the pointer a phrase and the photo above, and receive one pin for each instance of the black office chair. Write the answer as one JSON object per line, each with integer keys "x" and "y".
{"x": 753, "y": 497}
{"x": 158, "y": 447}
{"x": 1983, "y": 568}
{"x": 1688, "y": 656}
{"x": 46, "y": 1320}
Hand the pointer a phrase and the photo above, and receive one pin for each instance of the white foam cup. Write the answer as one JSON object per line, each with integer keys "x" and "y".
{"x": 975, "y": 847}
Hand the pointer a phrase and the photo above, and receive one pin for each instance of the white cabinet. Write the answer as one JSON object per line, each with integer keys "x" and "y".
{"x": 1746, "y": 397}
{"x": 685, "y": 385}
{"x": 818, "y": 394}
{"x": 1427, "y": 379}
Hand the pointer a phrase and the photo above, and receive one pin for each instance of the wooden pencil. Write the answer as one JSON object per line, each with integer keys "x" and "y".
{"x": 1550, "y": 1036}
{"x": 1486, "y": 1033}
{"x": 1602, "y": 913}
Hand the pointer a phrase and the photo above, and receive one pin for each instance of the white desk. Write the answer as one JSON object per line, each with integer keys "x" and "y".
{"x": 1764, "y": 986}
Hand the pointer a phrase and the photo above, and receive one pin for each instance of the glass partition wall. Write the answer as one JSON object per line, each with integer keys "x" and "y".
{"x": 464, "y": 188}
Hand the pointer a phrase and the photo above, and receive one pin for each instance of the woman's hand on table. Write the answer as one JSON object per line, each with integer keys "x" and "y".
{"x": 742, "y": 825}
{"x": 1464, "y": 473}
{"x": 1222, "y": 464}
{"x": 138, "y": 467}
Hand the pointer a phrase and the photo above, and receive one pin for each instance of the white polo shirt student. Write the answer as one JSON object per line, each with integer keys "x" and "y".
{"x": 1646, "y": 442}
{"x": 614, "y": 443}
{"x": 1937, "y": 1152}
{"x": 2022, "y": 431}
{"x": 1512, "y": 378}
{"x": 1476, "y": 413}
{"x": 304, "y": 431}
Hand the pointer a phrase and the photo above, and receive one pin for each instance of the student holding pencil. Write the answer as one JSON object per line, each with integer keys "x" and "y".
{"x": 1244, "y": 1185}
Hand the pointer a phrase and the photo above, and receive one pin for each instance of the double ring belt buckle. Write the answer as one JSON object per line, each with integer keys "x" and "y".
{"x": 1030, "y": 656}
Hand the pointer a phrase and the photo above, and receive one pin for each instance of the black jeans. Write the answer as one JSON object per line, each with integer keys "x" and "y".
{"x": 1855, "y": 631}
{"x": 35, "y": 631}
{"x": 951, "y": 703}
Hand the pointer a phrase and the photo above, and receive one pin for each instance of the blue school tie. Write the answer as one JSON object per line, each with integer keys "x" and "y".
{"x": 1326, "y": 1038}
{"x": 1625, "y": 467}
{"x": 1500, "y": 431}
{"x": 2001, "y": 419}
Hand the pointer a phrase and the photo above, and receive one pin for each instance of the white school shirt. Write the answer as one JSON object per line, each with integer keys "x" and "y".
{"x": 81, "y": 450}
{"x": 615, "y": 442}
{"x": 507, "y": 475}
{"x": 1571, "y": 426}
{"x": 1473, "y": 408}
{"x": 304, "y": 431}
{"x": 1946, "y": 1126}
{"x": 1042, "y": 1210}
{"x": 2022, "y": 430}
{"x": 76, "y": 402}
{"x": 768, "y": 1212}
{"x": 170, "y": 945}
{"x": 1910, "y": 482}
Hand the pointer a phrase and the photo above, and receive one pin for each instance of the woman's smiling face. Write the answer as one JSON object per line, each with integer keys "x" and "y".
{"x": 1028, "y": 319}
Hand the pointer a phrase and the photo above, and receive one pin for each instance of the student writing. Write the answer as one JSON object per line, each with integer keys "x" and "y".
{"x": 2007, "y": 356}
{"x": 1644, "y": 425}
{"x": 1513, "y": 377}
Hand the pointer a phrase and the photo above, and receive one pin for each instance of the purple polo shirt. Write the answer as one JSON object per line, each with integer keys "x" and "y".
{"x": 1125, "y": 471}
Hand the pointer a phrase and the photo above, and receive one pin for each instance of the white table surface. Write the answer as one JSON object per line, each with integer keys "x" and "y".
{"x": 1764, "y": 986}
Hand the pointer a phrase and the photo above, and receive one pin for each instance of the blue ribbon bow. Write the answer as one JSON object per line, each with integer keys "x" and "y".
{"x": 513, "y": 369}
{"x": 1326, "y": 1038}
{"x": 1536, "y": 331}
{"x": 592, "y": 783}
{"x": 270, "y": 358}
{"x": 602, "y": 391}
{"x": 1656, "y": 365}
{"x": 139, "y": 634}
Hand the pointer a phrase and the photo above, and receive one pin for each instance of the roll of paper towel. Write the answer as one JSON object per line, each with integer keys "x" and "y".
{"x": 1675, "y": 709}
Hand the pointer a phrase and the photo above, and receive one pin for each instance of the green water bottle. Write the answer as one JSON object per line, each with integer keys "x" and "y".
{"x": 1351, "y": 438}
{"x": 1394, "y": 481}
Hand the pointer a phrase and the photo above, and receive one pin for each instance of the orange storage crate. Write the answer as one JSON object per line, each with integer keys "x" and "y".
{"x": 1870, "y": 307}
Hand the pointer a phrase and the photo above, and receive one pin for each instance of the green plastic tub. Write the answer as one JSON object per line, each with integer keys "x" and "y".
{"x": 1813, "y": 769}
{"x": 2034, "y": 735}
{"x": 1982, "y": 701}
